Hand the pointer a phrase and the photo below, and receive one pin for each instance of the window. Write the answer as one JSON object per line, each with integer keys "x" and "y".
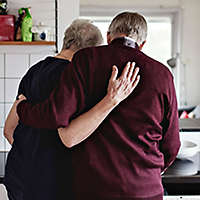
{"x": 158, "y": 45}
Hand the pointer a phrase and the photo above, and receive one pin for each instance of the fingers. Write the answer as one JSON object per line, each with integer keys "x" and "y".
{"x": 134, "y": 74}
{"x": 21, "y": 97}
{"x": 136, "y": 82}
{"x": 130, "y": 72}
{"x": 126, "y": 70}
{"x": 114, "y": 73}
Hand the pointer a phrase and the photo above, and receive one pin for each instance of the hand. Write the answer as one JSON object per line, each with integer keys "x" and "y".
{"x": 121, "y": 88}
{"x": 12, "y": 120}
{"x": 21, "y": 97}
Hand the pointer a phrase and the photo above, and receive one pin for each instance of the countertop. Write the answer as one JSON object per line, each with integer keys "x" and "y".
{"x": 186, "y": 125}
{"x": 189, "y": 125}
{"x": 181, "y": 179}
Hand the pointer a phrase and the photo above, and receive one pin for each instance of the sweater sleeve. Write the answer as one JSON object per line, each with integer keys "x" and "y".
{"x": 65, "y": 101}
{"x": 170, "y": 143}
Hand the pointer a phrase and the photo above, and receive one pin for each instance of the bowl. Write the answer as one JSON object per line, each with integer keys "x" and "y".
{"x": 188, "y": 149}
{"x": 182, "y": 167}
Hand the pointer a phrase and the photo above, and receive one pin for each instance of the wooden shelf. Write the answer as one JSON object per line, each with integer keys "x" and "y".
{"x": 27, "y": 43}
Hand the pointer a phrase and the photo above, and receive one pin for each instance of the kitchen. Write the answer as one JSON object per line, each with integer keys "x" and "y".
{"x": 184, "y": 39}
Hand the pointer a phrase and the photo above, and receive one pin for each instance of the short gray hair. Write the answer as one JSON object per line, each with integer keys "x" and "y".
{"x": 131, "y": 24}
{"x": 81, "y": 34}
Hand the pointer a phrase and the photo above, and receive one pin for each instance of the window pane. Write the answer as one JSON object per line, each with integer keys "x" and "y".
{"x": 158, "y": 45}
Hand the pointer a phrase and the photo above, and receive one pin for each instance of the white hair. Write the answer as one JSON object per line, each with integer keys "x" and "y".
{"x": 81, "y": 34}
{"x": 131, "y": 24}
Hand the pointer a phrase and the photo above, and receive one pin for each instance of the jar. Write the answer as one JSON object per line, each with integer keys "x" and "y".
{"x": 41, "y": 32}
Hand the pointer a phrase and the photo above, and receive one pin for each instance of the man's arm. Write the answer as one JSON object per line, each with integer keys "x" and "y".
{"x": 118, "y": 89}
{"x": 170, "y": 143}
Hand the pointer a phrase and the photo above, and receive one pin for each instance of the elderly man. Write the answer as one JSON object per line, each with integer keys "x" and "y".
{"x": 39, "y": 165}
{"x": 123, "y": 159}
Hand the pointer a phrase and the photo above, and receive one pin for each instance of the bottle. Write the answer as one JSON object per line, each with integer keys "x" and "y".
{"x": 18, "y": 25}
{"x": 26, "y": 26}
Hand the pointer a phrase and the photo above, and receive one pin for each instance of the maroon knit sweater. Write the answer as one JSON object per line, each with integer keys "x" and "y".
{"x": 124, "y": 157}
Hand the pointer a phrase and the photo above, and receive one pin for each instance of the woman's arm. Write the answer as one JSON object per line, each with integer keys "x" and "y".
{"x": 118, "y": 89}
{"x": 12, "y": 121}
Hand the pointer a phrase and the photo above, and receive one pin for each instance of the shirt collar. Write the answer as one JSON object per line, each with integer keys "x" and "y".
{"x": 126, "y": 41}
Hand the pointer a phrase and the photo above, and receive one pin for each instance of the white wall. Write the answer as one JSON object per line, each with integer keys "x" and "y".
{"x": 68, "y": 11}
{"x": 144, "y": 3}
{"x": 190, "y": 34}
{"x": 190, "y": 49}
